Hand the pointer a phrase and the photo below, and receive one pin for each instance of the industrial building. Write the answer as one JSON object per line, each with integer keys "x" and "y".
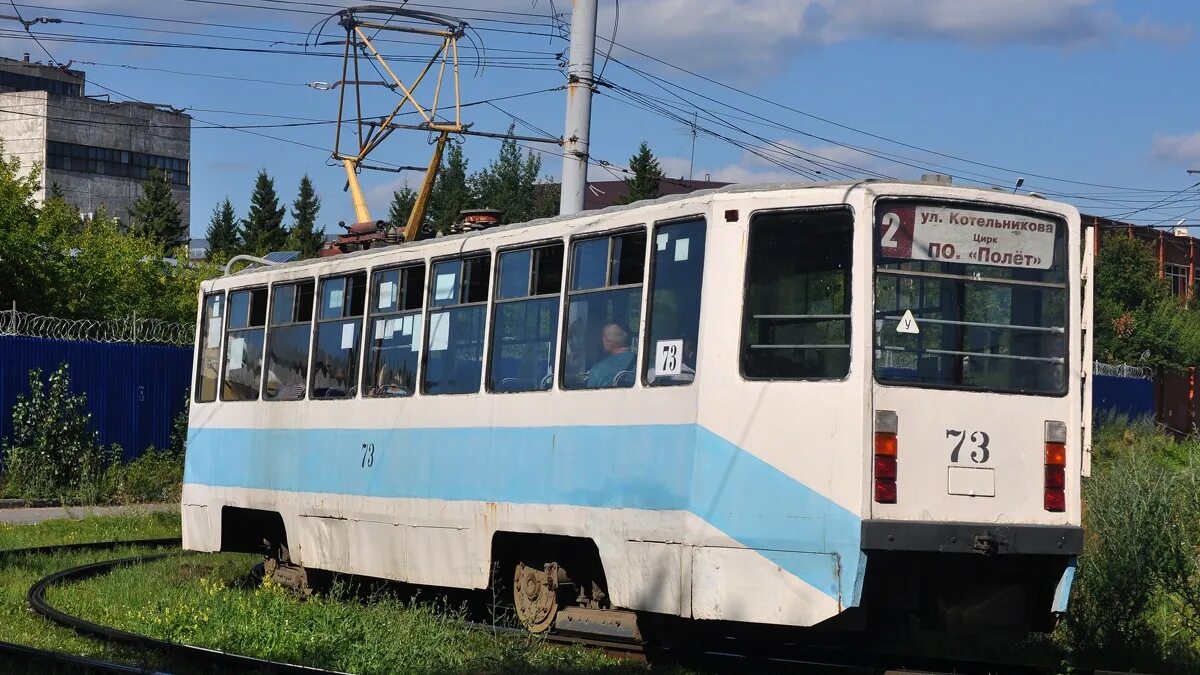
{"x": 95, "y": 152}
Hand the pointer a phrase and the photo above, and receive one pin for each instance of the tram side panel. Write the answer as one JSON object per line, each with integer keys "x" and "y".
{"x": 779, "y": 460}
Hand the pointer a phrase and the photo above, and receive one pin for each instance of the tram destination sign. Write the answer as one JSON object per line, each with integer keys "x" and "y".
{"x": 949, "y": 234}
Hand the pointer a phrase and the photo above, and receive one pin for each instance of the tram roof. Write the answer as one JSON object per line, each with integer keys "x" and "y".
{"x": 734, "y": 188}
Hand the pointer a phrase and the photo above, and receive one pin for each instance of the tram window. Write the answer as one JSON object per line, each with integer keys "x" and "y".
{"x": 287, "y": 341}
{"x": 395, "y": 332}
{"x": 454, "y": 341}
{"x": 209, "y": 369}
{"x": 526, "y": 319}
{"x": 244, "y": 345}
{"x": 676, "y": 270}
{"x": 339, "y": 333}
{"x": 604, "y": 311}
{"x": 796, "y": 322}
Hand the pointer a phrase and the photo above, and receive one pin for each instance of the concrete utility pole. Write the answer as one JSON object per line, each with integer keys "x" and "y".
{"x": 577, "y": 131}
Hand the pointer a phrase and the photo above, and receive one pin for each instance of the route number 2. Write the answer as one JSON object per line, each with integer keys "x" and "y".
{"x": 892, "y": 222}
{"x": 368, "y": 457}
{"x": 979, "y": 454}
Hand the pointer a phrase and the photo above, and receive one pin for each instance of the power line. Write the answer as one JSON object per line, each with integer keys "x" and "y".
{"x": 863, "y": 132}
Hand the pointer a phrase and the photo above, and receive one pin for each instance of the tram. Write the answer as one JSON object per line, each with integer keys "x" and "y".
{"x": 792, "y": 405}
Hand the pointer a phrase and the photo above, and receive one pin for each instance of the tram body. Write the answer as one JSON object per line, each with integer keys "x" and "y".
{"x": 839, "y": 399}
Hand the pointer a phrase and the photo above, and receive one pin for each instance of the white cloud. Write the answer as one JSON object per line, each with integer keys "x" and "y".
{"x": 731, "y": 36}
{"x": 1176, "y": 148}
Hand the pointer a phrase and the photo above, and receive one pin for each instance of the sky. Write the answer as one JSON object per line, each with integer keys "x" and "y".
{"x": 1090, "y": 101}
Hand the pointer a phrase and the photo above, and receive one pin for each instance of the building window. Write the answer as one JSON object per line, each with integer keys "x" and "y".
{"x": 10, "y": 81}
{"x": 112, "y": 162}
{"x": 673, "y": 321}
{"x": 796, "y": 322}
{"x": 525, "y": 327}
{"x": 244, "y": 344}
{"x": 394, "y": 347}
{"x": 604, "y": 311}
{"x": 339, "y": 332}
{"x": 454, "y": 342}
{"x": 1177, "y": 277}
{"x": 287, "y": 341}
{"x": 209, "y": 370}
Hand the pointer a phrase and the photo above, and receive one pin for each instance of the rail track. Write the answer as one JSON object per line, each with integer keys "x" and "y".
{"x": 721, "y": 656}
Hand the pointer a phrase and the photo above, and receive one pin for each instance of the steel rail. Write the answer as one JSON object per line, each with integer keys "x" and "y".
{"x": 46, "y": 656}
{"x": 36, "y": 597}
{"x": 748, "y": 657}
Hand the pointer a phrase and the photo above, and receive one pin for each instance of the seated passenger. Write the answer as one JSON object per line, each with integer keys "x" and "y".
{"x": 615, "y": 342}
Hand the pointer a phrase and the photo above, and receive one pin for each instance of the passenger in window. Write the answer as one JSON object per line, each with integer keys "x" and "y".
{"x": 607, "y": 372}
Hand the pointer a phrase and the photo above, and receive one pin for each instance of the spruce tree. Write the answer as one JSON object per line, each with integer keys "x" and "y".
{"x": 155, "y": 215}
{"x": 451, "y": 191}
{"x": 508, "y": 182}
{"x": 647, "y": 174}
{"x": 305, "y": 237}
{"x": 402, "y": 205}
{"x": 263, "y": 231}
{"x": 222, "y": 232}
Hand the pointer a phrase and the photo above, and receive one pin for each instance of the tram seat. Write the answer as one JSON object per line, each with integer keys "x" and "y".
{"x": 625, "y": 378}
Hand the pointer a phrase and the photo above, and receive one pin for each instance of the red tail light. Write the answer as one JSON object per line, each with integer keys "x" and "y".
{"x": 1056, "y": 471}
{"x": 885, "y": 457}
{"x": 886, "y": 426}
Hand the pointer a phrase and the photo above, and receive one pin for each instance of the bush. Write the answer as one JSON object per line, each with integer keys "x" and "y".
{"x": 1136, "y": 599}
{"x": 156, "y": 476}
{"x": 53, "y": 452}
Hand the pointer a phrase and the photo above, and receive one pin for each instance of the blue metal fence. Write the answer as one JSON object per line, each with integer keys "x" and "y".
{"x": 1129, "y": 396}
{"x": 133, "y": 391}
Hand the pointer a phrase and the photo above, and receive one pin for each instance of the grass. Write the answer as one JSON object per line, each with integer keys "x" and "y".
{"x": 202, "y": 599}
{"x": 206, "y": 599}
{"x": 18, "y": 624}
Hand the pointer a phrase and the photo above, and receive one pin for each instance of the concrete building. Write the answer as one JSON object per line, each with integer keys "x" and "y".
{"x": 97, "y": 153}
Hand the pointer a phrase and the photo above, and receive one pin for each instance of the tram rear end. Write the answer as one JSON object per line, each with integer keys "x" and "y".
{"x": 979, "y": 421}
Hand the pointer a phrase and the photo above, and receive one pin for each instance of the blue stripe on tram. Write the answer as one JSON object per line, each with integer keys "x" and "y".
{"x": 681, "y": 467}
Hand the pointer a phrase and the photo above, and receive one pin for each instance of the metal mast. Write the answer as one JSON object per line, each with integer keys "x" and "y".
{"x": 579, "y": 106}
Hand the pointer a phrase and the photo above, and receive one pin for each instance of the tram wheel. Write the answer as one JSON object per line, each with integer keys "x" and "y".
{"x": 535, "y": 596}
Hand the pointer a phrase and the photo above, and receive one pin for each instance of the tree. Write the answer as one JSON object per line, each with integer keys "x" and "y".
{"x": 1138, "y": 320}
{"x": 24, "y": 277}
{"x": 222, "y": 232}
{"x": 155, "y": 215}
{"x": 647, "y": 174}
{"x": 508, "y": 182}
{"x": 402, "y": 205}
{"x": 451, "y": 189}
{"x": 305, "y": 237}
{"x": 263, "y": 231}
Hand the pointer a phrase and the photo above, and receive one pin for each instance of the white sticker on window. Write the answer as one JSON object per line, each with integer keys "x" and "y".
{"x": 416, "y": 339}
{"x": 237, "y": 349}
{"x": 439, "y": 331}
{"x": 216, "y": 310}
{"x": 380, "y": 329}
{"x": 908, "y": 324}
{"x": 681, "y": 249}
{"x": 668, "y": 357}
{"x": 335, "y": 298}
{"x": 406, "y": 325}
{"x": 661, "y": 240}
{"x": 387, "y": 294}
{"x": 213, "y": 340}
{"x": 443, "y": 289}
{"x": 347, "y": 336}
{"x": 389, "y": 329}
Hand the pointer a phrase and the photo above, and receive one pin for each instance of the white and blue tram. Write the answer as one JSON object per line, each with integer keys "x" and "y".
{"x": 766, "y": 404}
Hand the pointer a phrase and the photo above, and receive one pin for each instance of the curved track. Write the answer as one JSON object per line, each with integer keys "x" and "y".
{"x": 732, "y": 659}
